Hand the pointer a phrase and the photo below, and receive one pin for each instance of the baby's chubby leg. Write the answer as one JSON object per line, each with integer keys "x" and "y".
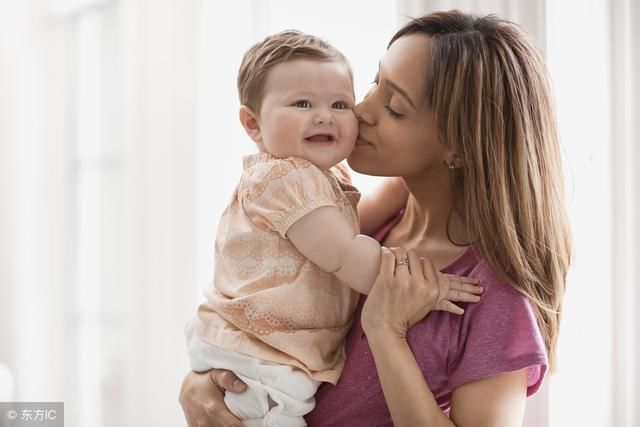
{"x": 250, "y": 405}
{"x": 292, "y": 391}
{"x": 276, "y": 395}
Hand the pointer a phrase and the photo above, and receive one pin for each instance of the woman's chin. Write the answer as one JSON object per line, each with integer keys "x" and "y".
{"x": 354, "y": 163}
{"x": 363, "y": 166}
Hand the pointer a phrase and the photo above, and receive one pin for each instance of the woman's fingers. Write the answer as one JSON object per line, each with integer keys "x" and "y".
{"x": 217, "y": 413}
{"x": 429, "y": 270}
{"x": 415, "y": 265}
{"x": 402, "y": 265}
{"x": 223, "y": 380}
{"x": 387, "y": 263}
{"x": 202, "y": 399}
{"x": 227, "y": 380}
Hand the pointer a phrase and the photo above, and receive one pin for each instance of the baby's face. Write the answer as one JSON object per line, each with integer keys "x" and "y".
{"x": 307, "y": 112}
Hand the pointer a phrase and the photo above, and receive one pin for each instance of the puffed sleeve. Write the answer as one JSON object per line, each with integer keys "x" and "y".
{"x": 341, "y": 172}
{"x": 278, "y": 193}
{"x": 497, "y": 335}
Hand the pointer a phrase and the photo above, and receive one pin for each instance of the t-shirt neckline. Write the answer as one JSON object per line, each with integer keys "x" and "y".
{"x": 460, "y": 258}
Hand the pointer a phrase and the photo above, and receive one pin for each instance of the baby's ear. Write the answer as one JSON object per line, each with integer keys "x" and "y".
{"x": 249, "y": 121}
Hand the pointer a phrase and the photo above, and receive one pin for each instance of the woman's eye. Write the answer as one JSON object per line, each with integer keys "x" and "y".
{"x": 392, "y": 112}
{"x": 340, "y": 105}
{"x": 302, "y": 104}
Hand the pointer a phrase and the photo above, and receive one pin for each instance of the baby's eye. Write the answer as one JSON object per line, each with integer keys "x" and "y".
{"x": 303, "y": 103}
{"x": 339, "y": 105}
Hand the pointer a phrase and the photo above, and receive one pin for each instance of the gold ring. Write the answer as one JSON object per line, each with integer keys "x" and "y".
{"x": 403, "y": 260}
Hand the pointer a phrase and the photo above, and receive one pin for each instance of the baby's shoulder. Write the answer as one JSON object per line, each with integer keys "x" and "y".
{"x": 288, "y": 168}
{"x": 290, "y": 180}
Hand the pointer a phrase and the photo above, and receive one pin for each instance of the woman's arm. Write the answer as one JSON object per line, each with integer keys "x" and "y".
{"x": 408, "y": 397}
{"x": 496, "y": 401}
{"x": 400, "y": 297}
{"x": 493, "y": 401}
{"x": 376, "y": 208}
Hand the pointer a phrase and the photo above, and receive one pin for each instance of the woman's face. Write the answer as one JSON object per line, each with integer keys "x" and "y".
{"x": 398, "y": 135}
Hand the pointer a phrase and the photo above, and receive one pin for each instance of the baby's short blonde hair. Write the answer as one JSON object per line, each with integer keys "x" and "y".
{"x": 284, "y": 46}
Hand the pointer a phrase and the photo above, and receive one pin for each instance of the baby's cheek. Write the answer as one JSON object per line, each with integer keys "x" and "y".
{"x": 352, "y": 127}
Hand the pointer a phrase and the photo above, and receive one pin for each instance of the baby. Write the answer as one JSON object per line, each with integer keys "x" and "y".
{"x": 289, "y": 262}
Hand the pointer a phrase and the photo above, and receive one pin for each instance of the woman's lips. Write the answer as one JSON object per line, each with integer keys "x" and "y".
{"x": 362, "y": 141}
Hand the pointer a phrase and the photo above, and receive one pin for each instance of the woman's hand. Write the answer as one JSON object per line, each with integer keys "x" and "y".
{"x": 202, "y": 398}
{"x": 403, "y": 294}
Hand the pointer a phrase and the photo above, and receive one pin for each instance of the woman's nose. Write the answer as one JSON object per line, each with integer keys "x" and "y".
{"x": 363, "y": 113}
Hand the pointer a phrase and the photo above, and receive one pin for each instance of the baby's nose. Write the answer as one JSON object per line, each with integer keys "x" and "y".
{"x": 323, "y": 116}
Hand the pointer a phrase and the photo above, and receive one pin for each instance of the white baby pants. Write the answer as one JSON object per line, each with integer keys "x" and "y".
{"x": 290, "y": 388}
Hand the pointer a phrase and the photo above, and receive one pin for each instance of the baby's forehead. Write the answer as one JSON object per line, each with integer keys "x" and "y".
{"x": 305, "y": 64}
{"x": 310, "y": 73}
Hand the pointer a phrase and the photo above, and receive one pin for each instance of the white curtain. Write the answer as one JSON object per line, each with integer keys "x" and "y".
{"x": 593, "y": 53}
{"x": 625, "y": 134}
{"x": 97, "y": 131}
{"x": 34, "y": 169}
{"x": 159, "y": 46}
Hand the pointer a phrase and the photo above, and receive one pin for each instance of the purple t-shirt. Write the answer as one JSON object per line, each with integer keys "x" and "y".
{"x": 498, "y": 334}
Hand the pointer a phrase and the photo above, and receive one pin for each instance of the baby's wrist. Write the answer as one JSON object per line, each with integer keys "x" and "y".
{"x": 383, "y": 333}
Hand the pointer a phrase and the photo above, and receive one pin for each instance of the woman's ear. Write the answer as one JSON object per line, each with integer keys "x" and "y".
{"x": 249, "y": 121}
{"x": 453, "y": 161}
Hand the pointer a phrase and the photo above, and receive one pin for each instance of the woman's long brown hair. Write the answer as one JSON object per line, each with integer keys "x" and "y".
{"x": 489, "y": 89}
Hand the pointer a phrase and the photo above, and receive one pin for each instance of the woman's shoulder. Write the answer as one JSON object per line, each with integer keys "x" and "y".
{"x": 498, "y": 334}
{"x": 471, "y": 263}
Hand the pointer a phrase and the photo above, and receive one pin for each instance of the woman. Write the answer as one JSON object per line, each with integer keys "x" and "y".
{"x": 461, "y": 110}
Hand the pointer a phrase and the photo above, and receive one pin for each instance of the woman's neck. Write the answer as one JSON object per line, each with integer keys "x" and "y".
{"x": 425, "y": 217}
{"x": 429, "y": 213}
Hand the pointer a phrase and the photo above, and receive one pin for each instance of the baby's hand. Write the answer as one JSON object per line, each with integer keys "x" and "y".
{"x": 407, "y": 288}
{"x": 454, "y": 288}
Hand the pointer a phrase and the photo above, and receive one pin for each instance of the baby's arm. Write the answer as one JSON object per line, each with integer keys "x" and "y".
{"x": 386, "y": 200}
{"x": 326, "y": 238}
